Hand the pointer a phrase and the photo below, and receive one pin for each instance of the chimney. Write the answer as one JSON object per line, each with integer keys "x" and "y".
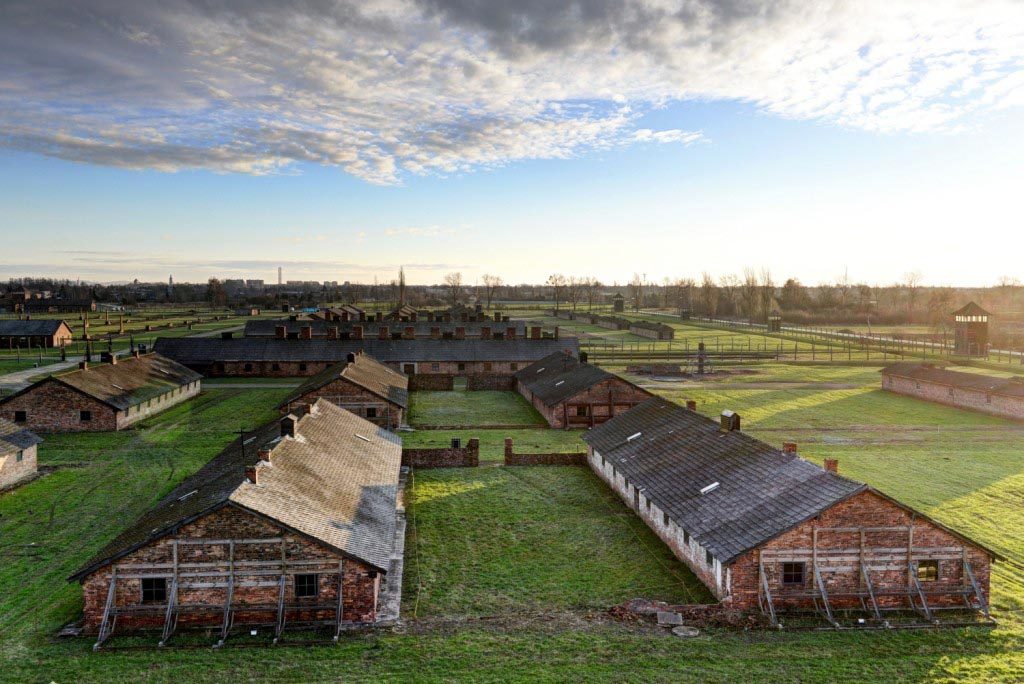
{"x": 584, "y": 357}
{"x": 226, "y": 335}
{"x": 288, "y": 425}
{"x": 430, "y": 316}
{"x": 307, "y": 332}
{"x": 510, "y": 332}
{"x": 691, "y": 405}
{"x": 136, "y": 353}
{"x": 382, "y": 332}
{"x": 464, "y": 316}
{"x": 435, "y": 332}
{"x": 332, "y": 332}
{"x": 310, "y": 407}
{"x": 460, "y": 333}
{"x": 357, "y": 332}
{"x": 497, "y": 317}
{"x": 485, "y": 332}
{"x": 252, "y": 473}
{"x": 535, "y": 332}
{"x": 789, "y": 448}
{"x": 410, "y": 333}
{"x": 447, "y": 318}
{"x": 280, "y": 332}
{"x": 264, "y": 455}
{"x": 83, "y": 365}
{"x": 350, "y": 357}
{"x": 730, "y": 421}
{"x": 832, "y": 465}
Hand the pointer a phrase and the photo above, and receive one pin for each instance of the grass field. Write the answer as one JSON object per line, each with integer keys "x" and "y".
{"x": 509, "y": 570}
{"x": 429, "y": 409}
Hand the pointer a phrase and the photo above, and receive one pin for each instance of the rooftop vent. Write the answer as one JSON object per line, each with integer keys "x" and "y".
{"x": 560, "y": 382}
{"x": 635, "y": 435}
{"x": 730, "y": 421}
{"x": 365, "y": 439}
{"x": 540, "y": 370}
{"x": 710, "y": 488}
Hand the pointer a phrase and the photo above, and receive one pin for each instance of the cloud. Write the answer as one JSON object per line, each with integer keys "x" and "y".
{"x": 421, "y": 231}
{"x": 387, "y": 88}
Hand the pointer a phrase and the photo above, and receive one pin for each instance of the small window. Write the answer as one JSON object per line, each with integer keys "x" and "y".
{"x": 648, "y": 504}
{"x": 371, "y": 411}
{"x": 581, "y": 410}
{"x": 20, "y": 416}
{"x": 248, "y": 368}
{"x": 709, "y": 559}
{"x": 85, "y": 416}
{"x": 275, "y": 366}
{"x": 951, "y": 391}
{"x": 305, "y": 586}
{"x": 302, "y": 367}
{"x": 988, "y": 398}
{"x": 435, "y": 367}
{"x": 514, "y": 366}
{"x": 154, "y": 590}
{"x": 686, "y": 538}
{"x": 793, "y": 573}
{"x": 20, "y": 457}
{"x": 664, "y": 519}
{"x": 928, "y": 570}
{"x": 462, "y": 366}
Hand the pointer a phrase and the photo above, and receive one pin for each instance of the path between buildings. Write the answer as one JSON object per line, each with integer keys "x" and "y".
{"x": 213, "y": 384}
{"x": 17, "y": 380}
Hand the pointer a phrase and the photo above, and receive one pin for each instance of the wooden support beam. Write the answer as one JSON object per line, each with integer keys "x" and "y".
{"x": 766, "y": 592}
{"x": 340, "y": 611}
{"x": 866, "y": 576}
{"x": 977, "y": 589}
{"x": 109, "y": 616}
{"x": 229, "y": 596}
{"x": 279, "y": 626}
{"x": 824, "y": 597}
{"x": 916, "y": 585}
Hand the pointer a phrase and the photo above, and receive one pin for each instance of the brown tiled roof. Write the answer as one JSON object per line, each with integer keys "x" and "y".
{"x": 336, "y": 483}
{"x": 14, "y": 437}
{"x": 364, "y": 371}
{"x": 926, "y": 372}
{"x": 129, "y": 382}
{"x": 971, "y": 309}
{"x": 559, "y": 377}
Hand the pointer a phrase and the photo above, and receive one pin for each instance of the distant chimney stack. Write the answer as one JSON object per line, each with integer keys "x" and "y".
{"x": 288, "y": 425}
{"x": 332, "y": 332}
{"x": 410, "y": 333}
{"x": 280, "y": 332}
{"x": 789, "y": 448}
{"x": 535, "y": 332}
{"x": 691, "y": 405}
{"x": 435, "y": 332}
{"x": 730, "y": 421}
{"x": 252, "y": 473}
{"x": 485, "y": 332}
{"x": 357, "y": 332}
{"x": 264, "y": 455}
{"x": 307, "y": 332}
{"x": 83, "y": 365}
{"x": 510, "y": 332}
{"x": 832, "y": 465}
{"x": 351, "y": 357}
{"x": 383, "y": 333}
{"x": 460, "y": 333}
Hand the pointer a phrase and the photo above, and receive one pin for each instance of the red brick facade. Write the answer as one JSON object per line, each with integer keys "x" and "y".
{"x": 593, "y": 406}
{"x": 445, "y": 457}
{"x": 17, "y": 466}
{"x": 51, "y": 406}
{"x": 291, "y": 369}
{"x": 995, "y": 404}
{"x": 360, "y": 401}
{"x": 256, "y": 589}
{"x": 837, "y": 539}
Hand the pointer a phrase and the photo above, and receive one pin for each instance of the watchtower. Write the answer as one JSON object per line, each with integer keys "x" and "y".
{"x": 618, "y": 303}
{"x": 775, "y": 322}
{"x": 971, "y": 326}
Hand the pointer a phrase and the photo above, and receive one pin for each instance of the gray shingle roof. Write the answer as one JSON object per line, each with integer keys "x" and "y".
{"x": 560, "y": 376}
{"x": 32, "y": 328}
{"x": 328, "y": 484}
{"x": 268, "y": 328}
{"x": 366, "y": 372}
{"x": 206, "y": 350}
{"x": 762, "y": 491}
{"x": 14, "y": 438}
{"x": 924, "y": 372}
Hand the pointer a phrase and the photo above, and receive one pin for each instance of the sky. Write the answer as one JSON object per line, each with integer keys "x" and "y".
{"x": 341, "y": 140}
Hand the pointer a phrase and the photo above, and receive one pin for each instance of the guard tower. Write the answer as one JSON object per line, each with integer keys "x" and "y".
{"x": 971, "y": 326}
{"x": 775, "y": 322}
{"x": 618, "y": 303}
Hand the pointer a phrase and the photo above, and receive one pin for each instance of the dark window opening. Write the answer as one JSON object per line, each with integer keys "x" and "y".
{"x": 648, "y": 504}
{"x": 927, "y": 570}
{"x": 462, "y": 366}
{"x": 792, "y": 573}
{"x": 302, "y": 366}
{"x": 581, "y": 411}
{"x": 664, "y": 519}
{"x": 708, "y": 558}
{"x": 154, "y": 589}
{"x": 306, "y": 586}
{"x": 435, "y": 367}
{"x": 487, "y": 366}
{"x": 20, "y": 457}
{"x": 85, "y": 416}
{"x": 20, "y": 416}
{"x": 371, "y": 412}
{"x": 686, "y": 538}
{"x": 248, "y": 368}
{"x": 275, "y": 366}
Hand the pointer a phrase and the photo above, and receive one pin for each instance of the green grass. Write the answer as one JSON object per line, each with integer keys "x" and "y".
{"x": 492, "y": 442}
{"x": 428, "y": 409}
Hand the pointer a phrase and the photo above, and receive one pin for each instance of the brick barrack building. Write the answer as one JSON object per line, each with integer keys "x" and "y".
{"x": 17, "y": 454}
{"x": 996, "y": 396}
{"x": 765, "y": 529}
{"x": 571, "y": 393}
{"x": 104, "y": 396}
{"x": 34, "y": 333}
{"x": 293, "y": 523}
{"x": 359, "y": 384}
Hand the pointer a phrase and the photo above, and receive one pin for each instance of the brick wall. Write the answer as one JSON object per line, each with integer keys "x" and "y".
{"x": 994, "y": 404}
{"x": 490, "y": 381}
{"x": 356, "y": 399}
{"x": 566, "y": 459}
{"x": 157, "y": 404}
{"x": 431, "y": 383}
{"x": 360, "y": 590}
{"x": 445, "y": 457}
{"x": 599, "y": 403}
{"x": 13, "y": 471}
{"x": 50, "y": 406}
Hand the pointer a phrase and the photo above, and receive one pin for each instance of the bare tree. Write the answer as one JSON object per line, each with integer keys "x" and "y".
{"x": 636, "y": 290}
{"x": 492, "y": 284}
{"x": 708, "y": 295}
{"x": 593, "y": 288}
{"x": 453, "y": 281}
{"x": 574, "y": 290}
{"x": 767, "y": 293}
{"x": 556, "y": 281}
{"x": 748, "y": 293}
{"x": 684, "y": 293}
{"x": 912, "y": 283}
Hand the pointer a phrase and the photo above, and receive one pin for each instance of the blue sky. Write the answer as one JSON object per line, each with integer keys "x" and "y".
{"x": 659, "y": 181}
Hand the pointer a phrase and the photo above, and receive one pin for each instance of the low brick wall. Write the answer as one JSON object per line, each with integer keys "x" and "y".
{"x": 463, "y": 457}
{"x": 431, "y": 383}
{"x": 567, "y": 459}
{"x": 490, "y": 381}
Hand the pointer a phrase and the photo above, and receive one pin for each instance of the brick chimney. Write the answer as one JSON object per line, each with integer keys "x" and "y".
{"x": 691, "y": 405}
{"x": 332, "y": 332}
{"x": 264, "y": 455}
{"x": 252, "y": 473}
{"x": 280, "y": 332}
{"x": 435, "y": 332}
{"x": 832, "y": 465}
{"x": 510, "y": 332}
{"x": 307, "y": 332}
{"x": 447, "y": 318}
{"x": 497, "y": 317}
{"x": 383, "y": 333}
{"x": 730, "y": 421}
{"x": 460, "y": 333}
{"x": 409, "y": 333}
{"x": 83, "y": 365}
{"x": 485, "y": 332}
{"x": 350, "y": 357}
{"x": 357, "y": 332}
{"x": 226, "y": 335}
{"x": 535, "y": 332}
{"x": 288, "y": 425}
{"x": 789, "y": 448}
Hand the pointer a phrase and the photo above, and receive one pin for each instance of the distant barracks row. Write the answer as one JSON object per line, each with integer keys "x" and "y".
{"x": 995, "y": 396}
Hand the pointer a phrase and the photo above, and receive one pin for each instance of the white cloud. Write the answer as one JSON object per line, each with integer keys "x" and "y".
{"x": 383, "y": 88}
